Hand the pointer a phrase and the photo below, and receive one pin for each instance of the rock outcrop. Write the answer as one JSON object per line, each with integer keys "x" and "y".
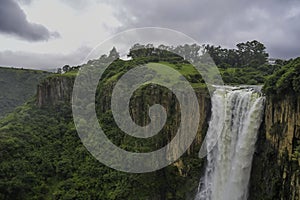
{"x": 276, "y": 165}
{"x": 54, "y": 90}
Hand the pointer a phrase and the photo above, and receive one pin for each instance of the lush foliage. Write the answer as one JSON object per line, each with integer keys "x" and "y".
{"x": 249, "y": 54}
{"x": 42, "y": 156}
{"x": 17, "y": 85}
{"x": 247, "y": 64}
{"x": 285, "y": 81}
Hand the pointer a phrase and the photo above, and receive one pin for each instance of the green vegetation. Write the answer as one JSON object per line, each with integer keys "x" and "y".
{"x": 249, "y": 54}
{"x": 247, "y": 64}
{"x": 284, "y": 81}
{"x": 70, "y": 73}
{"x": 245, "y": 76}
{"x": 42, "y": 156}
{"x": 17, "y": 85}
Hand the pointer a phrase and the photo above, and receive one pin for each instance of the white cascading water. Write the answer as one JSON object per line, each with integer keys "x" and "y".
{"x": 236, "y": 117}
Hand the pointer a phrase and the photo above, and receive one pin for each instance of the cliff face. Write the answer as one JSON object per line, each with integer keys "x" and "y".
{"x": 184, "y": 174}
{"x": 17, "y": 86}
{"x": 188, "y": 166}
{"x": 143, "y": 98}
{"x": 283, "y": 124}
{"x": 276, "y": 164}
{"x": 58, "y": 89}
{"x": 54, "y": 90}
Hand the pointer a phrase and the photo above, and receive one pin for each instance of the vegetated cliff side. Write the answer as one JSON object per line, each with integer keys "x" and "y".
{"x": 17, "y": 86}
{"x": 275, "y": 170}
{"x": 178, "y": 181}
{"x": 276, "y": 165}
{"x": 55, "y": 90}
{"x": 40, "y": 143}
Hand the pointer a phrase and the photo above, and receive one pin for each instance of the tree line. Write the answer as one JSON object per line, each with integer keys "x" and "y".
{"x": 249, "y": 54}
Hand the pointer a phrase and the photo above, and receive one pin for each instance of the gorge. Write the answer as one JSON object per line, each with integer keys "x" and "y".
{"x": 43, "y": 158}
{"x": 274, "y": 173}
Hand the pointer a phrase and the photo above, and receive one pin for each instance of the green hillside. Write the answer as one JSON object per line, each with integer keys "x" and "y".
{"x": 285, "y": 81}
{"x": 42, "y": 156}
{"x": 16, "y": 86}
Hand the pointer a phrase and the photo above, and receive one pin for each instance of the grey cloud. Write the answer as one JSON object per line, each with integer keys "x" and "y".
{"x": 77, "y": 4}
{"x": 13, "y": 21}
{"x": 25, "y": 2}
{"x": 42, "y": 61}
{"x": 273, "y": 22}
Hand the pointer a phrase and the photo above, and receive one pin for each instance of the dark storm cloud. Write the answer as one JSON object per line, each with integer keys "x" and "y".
{"x": 13, "y": 21}
{"x": 273, "y": 22}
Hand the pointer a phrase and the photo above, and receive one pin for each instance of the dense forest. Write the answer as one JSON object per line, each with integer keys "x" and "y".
{"x": 42, "y": 156}
{"x": 17, "y": 85}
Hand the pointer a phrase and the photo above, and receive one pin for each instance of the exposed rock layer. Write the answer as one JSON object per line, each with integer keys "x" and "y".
{"x": 276, "y": 167}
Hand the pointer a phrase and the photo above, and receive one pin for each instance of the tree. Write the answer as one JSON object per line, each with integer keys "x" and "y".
{"x": 252, "y": 54}
{"x": 59, "y": 71}
{"x": 66, "y": 68}
{"x": 223, "y": 58}
{"x": 249, "y": 54}
{"x": 189, "y": 52}
{"x": 138, "y": 50}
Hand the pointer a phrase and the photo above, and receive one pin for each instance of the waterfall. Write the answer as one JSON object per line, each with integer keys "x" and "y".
{"x": 236, "y": 117}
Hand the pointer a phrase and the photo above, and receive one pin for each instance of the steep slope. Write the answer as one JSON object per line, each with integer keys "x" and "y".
{"x": 42, "y": 156}
{"x": 17, "y": 85}
{"x": 276, "y": 166}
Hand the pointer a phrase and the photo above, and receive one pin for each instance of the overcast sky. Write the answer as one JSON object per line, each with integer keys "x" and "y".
{"x": 50, "y": 33}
